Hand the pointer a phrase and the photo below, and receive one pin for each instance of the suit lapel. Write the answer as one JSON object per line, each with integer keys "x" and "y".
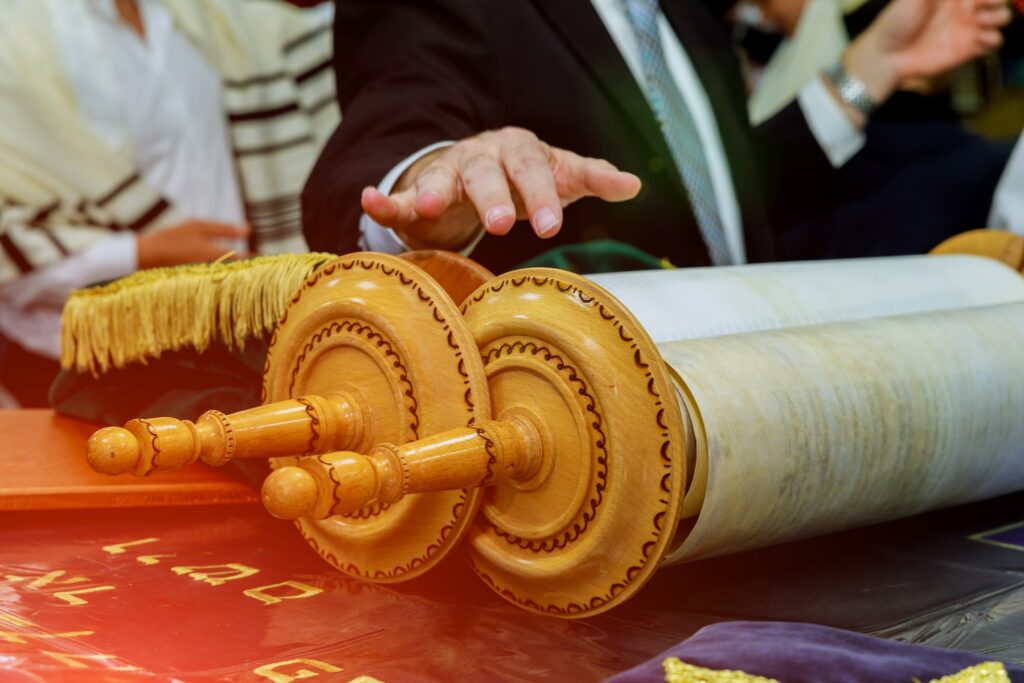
{"x": 579, "y": 25}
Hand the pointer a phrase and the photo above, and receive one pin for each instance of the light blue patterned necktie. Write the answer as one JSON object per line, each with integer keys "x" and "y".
{"x": 678, "y": 127}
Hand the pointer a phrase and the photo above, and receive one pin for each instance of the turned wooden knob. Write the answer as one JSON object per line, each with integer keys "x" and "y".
{"x": 301, "y": 426}
{"x": 290, "y": 493}
{"x": 113, "y": 450}
{"x": 342, "y": 483}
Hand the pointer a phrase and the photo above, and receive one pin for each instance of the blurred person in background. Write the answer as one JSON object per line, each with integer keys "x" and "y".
{"x": 146, "y": 133}
{"x": 462, "y": 118}
{"x": 921, "y": 176}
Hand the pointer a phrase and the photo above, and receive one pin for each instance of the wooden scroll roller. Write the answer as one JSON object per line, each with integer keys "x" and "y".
{"x": 280, "y": 429}
{"x": 371, "y": 348}
{"x": 343, "y": 483}
{"x": 588, "y": 438}
{"x": 608, "y": 455}
{"x": 304, "y": 425}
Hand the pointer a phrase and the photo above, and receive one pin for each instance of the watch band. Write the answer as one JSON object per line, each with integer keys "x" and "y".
{"x": 852, "y": 91}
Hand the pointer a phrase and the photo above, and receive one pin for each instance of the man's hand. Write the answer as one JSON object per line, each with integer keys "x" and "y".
{"x": 922, "y": 38}
{"x": 492, "y": 179}
{"x": 189, "y": 242}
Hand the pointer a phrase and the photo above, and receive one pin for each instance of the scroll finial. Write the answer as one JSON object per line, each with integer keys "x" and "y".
{"x": 306, "y": 425}
{"x": 343, "y": 482}
{"x": 113, "y": 450}
{"x": 290, "y": 493}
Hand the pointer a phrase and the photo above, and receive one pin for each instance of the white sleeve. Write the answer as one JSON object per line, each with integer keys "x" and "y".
{"x": 833, "y": 130}
{"x": 374, "y": 236}
{"x": 1008, "y": 202}
{"x": 110, "y": 258}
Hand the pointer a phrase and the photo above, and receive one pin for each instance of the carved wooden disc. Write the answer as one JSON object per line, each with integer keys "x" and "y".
{"x": 997, "y": 244}
{"x": 457, "y": 274}
{"x": 592, "y": 526}
{"x": 379, "y": 328}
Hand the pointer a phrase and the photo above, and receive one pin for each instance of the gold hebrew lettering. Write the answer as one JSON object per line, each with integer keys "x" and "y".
{"x": 264, "y": 595}
{"x": 71, "y": 597}
{"x": 270, "y": 671}
{"x": 119, "y": 548}
{"x": 80, "y": 661}
{"x": 34, "y": 631}
{"x": 19, "y": 636}
{"x": 15, "y": 620}
{"x": 47, "y": 579}
{"x": 217, "y": 574}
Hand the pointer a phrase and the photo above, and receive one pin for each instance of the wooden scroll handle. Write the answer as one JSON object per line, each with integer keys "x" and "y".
{"x": 341, "y": 483}
{"x": 301, "y": 426}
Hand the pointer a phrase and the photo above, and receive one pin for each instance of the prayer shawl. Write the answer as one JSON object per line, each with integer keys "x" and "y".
{"x": 62, "y": 188}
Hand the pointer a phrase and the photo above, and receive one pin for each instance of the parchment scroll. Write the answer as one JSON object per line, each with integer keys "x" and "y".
{"x": 703, "y": 302}
{"x": 815, "y": 429}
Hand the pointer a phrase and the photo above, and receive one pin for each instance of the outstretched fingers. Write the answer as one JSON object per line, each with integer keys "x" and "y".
{"x": 586, "y": 177}
{"x": 437, "y": 189}
{"x": 485, "y": 185}
{"x": 496, "y": 177}
{"x": 396, "y": 211}
{"x": 528, "y": 167}
{"x": 603, "y": 180}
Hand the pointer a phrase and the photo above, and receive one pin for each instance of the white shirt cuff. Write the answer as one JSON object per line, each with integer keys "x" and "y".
{"x": 108, "y": 259}
{"x": 375, "y": 237}
{"x": 833, "y": 130}
{"x": 1008, "y": 202}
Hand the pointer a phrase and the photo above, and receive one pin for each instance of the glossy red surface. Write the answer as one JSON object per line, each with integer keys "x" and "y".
{"x": 76, "y": 606}
{"x": 211, "y": 593}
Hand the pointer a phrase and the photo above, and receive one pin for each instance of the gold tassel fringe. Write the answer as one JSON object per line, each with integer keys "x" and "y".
{"x": 140, "y": 316}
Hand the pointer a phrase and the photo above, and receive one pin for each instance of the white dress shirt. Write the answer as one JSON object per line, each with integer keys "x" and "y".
{"x": 156, "y": 94}
{"x": 838, "y": 137}
{"x": 1008, "y": 203}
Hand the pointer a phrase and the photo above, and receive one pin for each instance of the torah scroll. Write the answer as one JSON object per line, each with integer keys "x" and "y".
{"x": 816, "y": 429}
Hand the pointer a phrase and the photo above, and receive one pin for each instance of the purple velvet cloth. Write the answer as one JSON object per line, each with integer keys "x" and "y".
{"x": 805, "y": 653}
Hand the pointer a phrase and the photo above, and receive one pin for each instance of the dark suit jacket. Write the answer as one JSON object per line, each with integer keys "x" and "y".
{"x": 413, "y": 73}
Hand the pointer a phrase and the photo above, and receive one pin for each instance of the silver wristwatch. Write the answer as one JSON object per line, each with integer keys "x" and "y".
{"x": 851, "y": 90}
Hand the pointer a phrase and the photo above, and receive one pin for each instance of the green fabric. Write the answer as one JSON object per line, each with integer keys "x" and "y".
{"x": 181, "y": 384}
{"x": 599, "y": 256}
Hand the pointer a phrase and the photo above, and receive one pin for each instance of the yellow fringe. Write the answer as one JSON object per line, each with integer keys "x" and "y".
{"x": 140, "y": 316}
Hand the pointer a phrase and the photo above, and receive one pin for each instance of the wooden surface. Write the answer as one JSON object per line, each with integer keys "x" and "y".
{"x": 44, "y": 468}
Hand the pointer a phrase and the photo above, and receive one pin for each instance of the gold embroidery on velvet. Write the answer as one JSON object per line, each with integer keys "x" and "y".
{"x": 986, "y": 672}
{"x": 677, "y": 671}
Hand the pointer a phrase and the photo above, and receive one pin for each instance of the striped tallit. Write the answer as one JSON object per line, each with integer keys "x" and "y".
{"x": 62, "y": 188}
